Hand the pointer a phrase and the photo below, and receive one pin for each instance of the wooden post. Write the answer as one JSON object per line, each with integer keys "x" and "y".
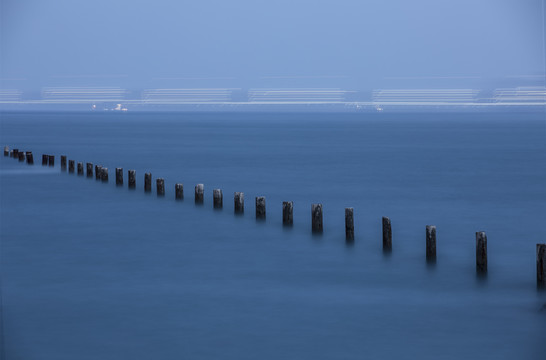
{"x": 16, "y": 154}
{"x": 131, "y": 174}
{"x": 104, "y": 174}
{"x": 147, "y": 182}
{"x": 387, "y": 234}
{"x": 481, "y": 252}
{"x": 44, "y": 158}
{"x": 6, "y": 150}
{"x": 349, "y": 224}
{"x": 287, "y": 213}
{"x": 260, "y": 207}
{"x": 178, "y": 191}
{"x": 160, "y": 186}
{"x": 89, "y": 168}
{"x": 21, "y": 155}
{"x": 119, "y": 176}
{"x": 430, "y": 235}
{"x": 51, "y": 160}
{"x": 217, "y": 198}
{"x": 199, "y": 193}
{"x": 239, "y": 202}
{"x": 80, "y": 168}
{"x": 11, "y": 153}
{"x": 63, "y": 162}
{"x": 30, "y": 158}
{"x": 316, "y": 218}
{"x": 541, "y": 266}
{"x": 98, "y": 172}
{"x": 71, "y": 164}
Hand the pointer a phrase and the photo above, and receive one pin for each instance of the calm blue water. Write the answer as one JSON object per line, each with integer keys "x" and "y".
{"x": 93, "y": 271}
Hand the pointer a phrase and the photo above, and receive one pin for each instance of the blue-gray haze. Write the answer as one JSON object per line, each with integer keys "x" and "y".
{"x": 347, "y": 44}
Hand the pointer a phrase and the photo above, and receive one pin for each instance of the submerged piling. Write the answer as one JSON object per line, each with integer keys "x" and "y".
{"x": 178, "y": 191}
{"x": 260, "y": 207}
{"x": 131, "y": 175}
{"x": 160, "y": 186}
{"x": 387, "y": 234}
{"x": 63, "y": 162}
{"x": 104, "y": 174}
{"x": 541, "y": 266}
{"x": 199, "y": 193}
{"x": 239, "y": 202}
{"x": 217, "y": 199}
{"x": 89, "y": 168}
{"x": 119, "y": 176}
{"x": 287, "y": 213}
{"x": 16, "y": 154}
{"x": 44, "y": 158}
{"x": 316, "y": 218}
{"x": 430, "y": 234}
{"x": 30, "y": 158}
{"x": 51, "y": 160}
{"x": 98, "y": 172}
{"x": 481, "y": 252}
{"x": 71, "y": 164}
{"x": 349, "y": 224}
{"x": 80, "y": 168}
{"x": 147, "y": 182}
{"x": 6, "y": 150}
{"x": 21, "y": 156}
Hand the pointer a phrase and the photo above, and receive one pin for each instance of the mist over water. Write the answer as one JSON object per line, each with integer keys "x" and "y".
{"x": 90, "y": 270}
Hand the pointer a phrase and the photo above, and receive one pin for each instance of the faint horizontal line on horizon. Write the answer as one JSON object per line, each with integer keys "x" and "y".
{"x": 351, "y": 103}
{"x": 87, "y": 76}
{"x": 306, "y": 77}
{"x": 194, "y": 78}
{"x": 430, "y": 77}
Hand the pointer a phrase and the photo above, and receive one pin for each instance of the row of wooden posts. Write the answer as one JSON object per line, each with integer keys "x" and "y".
{"x": 101, "y": 173}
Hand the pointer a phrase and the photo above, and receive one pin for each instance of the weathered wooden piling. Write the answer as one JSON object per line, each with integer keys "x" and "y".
{"x": 44, "y": 158}
{"x": 16, "y": 154}
{"x": 160, "y": 186}
{"x": 89, "y": 169}
{"x": 387, "y": 234}
{"x": 6, "y": 150}
{"x": 21, "y": 155}
{"x": 71, "y": 164}
{"x": 80, "y": 168}
{"x": 30, "y": 158}
{"x": 349, "y": 224}
{"x": 260, "y": 207}
{"x": 178, "y": 191}
{"x": 430, "y": 235}
{"x": 481, "y": 252}
{"x": 316, "y": 218}
{"x": 148, "y": 182}
{"x": 98, "y": 172}
{"x": 104, "y": 174}
{"x": 541, "y": 266}
{"x": 199, "y": 193}
{"x": 63, "y": 162}
{"x": 119, "y": 176}
{"x": 131, "y": 174}
{"x": 217, "y": 198}
{"x": 239, "y": 202}
{"x": 287, "y": 213}
{"x": 11, "y": 153}
{"x": 51, "y": 160}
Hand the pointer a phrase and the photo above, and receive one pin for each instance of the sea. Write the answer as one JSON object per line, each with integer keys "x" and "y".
{"x": 91, "y": 270}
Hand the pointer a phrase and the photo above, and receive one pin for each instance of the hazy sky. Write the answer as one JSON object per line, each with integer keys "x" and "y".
{"x": 351, "y": 44}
